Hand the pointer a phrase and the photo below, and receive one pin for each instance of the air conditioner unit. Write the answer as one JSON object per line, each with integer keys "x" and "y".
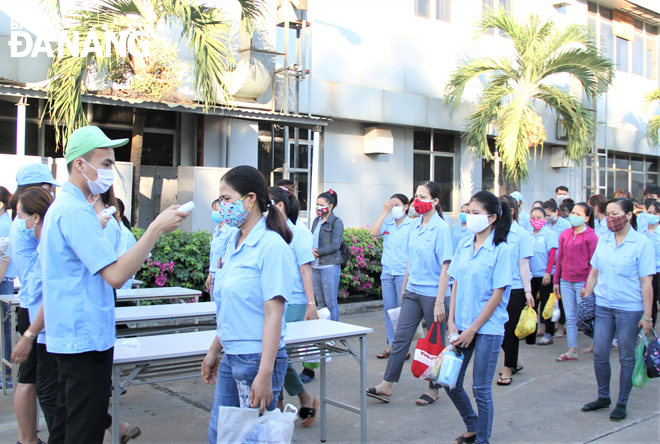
{"x": 378, "y": 141}
{"x": 558, "y": 158}
{"x": 561, "y": 129}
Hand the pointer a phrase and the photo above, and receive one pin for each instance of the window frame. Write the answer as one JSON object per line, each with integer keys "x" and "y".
{"x": 431, "y": 174}
{"x": 436, "y": 9}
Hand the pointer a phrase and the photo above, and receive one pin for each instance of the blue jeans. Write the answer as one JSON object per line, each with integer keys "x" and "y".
{"x": 486, "y": 350}
{"x": 570, "y": 294}
{"x": 625, "y": 323}
{"x": 391, "y": 288}
{"x": 6, "y": 287}
{"x": 235, "y": 377}
{"x": 326, "y": 287}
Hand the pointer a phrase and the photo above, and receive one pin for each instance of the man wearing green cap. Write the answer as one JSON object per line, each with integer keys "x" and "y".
{"x": 80, "y": 268}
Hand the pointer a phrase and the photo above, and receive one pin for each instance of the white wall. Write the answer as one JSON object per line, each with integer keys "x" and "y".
{"x": 243, "y": 140}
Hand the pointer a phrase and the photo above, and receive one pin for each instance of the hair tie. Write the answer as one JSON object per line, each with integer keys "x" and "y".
{"x": 330, "y": 191}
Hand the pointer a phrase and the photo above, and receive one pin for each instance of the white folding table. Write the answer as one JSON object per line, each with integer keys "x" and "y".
{"x": 13, "y": 302}
{"x": 176, "y": 312}
{"x": 143, "y": 294}
{"x": 177, "y": 356}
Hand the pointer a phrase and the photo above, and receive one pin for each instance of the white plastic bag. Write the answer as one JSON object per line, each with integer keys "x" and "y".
{"x": 245, "y": 426}
{"x": 324, "y": 313}
{"x": 556, "y": 312}
{"x": 393, "y": 313}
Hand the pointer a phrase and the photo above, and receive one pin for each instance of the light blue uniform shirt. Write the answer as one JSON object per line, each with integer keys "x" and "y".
{"x": 542, "y": 243}
{"x": 219, "y": 240}
{"x": 655, "y": 240}
{"x": 23, "y": 255}
{"x": 112, "y": 232}
{"x": 259, "y": 270}
{"x": 301, "y": 247}
{"x": 601, "y": 227}
{"x": 126, "y": 242}
{"x": 642, "y": 222}
{"x": 5, "y": 226}
{"x": 395, "y": 246}
{"x": 458, "y": 233}
{"x": 477, "y": 276}
{"x": 561, "y": 225}
{"x": 428, "y": 249}
{"x": 520, "y": 242}
{"x": 35, "y": 296}
{"x": 300, "y": 224}
{"x": 523, "y": 221}
{"x": 619, "y": 269}
{"x": 79, "y": 305}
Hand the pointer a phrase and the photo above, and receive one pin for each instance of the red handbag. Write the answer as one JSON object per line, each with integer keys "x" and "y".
{"x": 427, "y": 350}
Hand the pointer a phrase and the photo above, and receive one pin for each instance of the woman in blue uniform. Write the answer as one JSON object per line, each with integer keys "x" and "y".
{"x": 424, "y": 287}
{"x": 459, "y": 230}
{"x": 621, "y": 278}
{"x": 394, "y": 225}
{"x": 251, "y": 291}
{"x": 222, "y": 233}
{"x": 481, "y": 269}
{"x": 651, "y": 231}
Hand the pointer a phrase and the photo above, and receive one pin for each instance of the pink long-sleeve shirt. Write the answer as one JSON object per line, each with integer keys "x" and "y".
{"x": 574, "y": 255}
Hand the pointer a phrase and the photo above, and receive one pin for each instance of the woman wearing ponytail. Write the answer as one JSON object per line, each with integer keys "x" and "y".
{"x": 424, "y": 288}
{"x": 481, "y": 269}
{"x": 651, "y": 231}
{"x": 576, "y": 248}
{"x": 621, "y": 278}
{"x": 252, "y": 288}
{"x": 520, "y": 242}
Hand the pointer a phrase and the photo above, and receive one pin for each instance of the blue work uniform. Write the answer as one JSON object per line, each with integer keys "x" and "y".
{"x": 477, "y": 276}
{"x": 301, "y": 247}
{"x": 428, "y": 248}
{"x": 601, "y": 227}
{"x": 126, "y": 242}
{"x": 542, "y": 243}
{"x": 520, "y": 242}
{"x": 561, "y": 225}
{"x": 259, "y": 270}
{"x": 523, "y": 220}
{"x": 79, "y": 305}
{"x": 300, "y": 224}
{"x": 219, "y": 240}
{"x": 619, "y": 269}
{"x": 642, "y": 222}
{"x": 23, "y": 251}
{"x": 395, "y": 245}
{"x": 112, "y": 232}
{"x": 5, "y": 227}
{"x": 458, "y": 233}
{"x": 655, "y": 240}
{"x": 35, "y": 295}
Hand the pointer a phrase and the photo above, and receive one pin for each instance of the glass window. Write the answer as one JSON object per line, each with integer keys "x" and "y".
{"x": 621, "y": 162}
{"x": 423, "y": 8}
{"x": 651, "y": 59}
{"x": 651, "y": 164}
{"x": 621, "y": 178}
{"x": 637, "y": 185}
{"x": 422, "y": 141}
{"x": 639, "y": 25}
{"x": 263, "y": 157}
{"x": 610, "y": 182}
{"x": 421, "y": 169}
{"x": 637, "y": 163}
{"x": 301, "y": 189}
{"x": 7, "y": 109}
{"x": 278, "y": 155}
{"x": 119, "y": 115}
{"x": 50, "y": 149}
{"x": 605, "y": 13}
{"x": 651, "y": 178}
{"x": 606, "y": 40}
{"x": 651, "y": 30}
{"x": 443, "y": 173}
{"x": 161, "y": 119}
{"x": 638, "y": 55}
{"x": 622, "y": 54}
{"x": 592, "y": 7}
{"x": 443, "y": 143}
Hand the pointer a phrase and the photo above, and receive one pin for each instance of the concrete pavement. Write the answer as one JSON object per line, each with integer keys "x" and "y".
{"x": 541, "y": 406}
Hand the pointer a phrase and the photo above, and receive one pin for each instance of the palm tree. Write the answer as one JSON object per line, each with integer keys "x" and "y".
{"x": 205, "y": 29}
{"x": 517, "y": 81}
{"x": 653, "y": 125}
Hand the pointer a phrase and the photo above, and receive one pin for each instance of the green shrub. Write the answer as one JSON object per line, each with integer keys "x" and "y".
{"x": 362, "y": 273}
{"x": 188, "y": 254}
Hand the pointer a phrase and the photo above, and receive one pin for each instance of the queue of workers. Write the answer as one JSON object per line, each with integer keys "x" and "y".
{"x": 476, "y": 277}
{"x": 267, "y": 269}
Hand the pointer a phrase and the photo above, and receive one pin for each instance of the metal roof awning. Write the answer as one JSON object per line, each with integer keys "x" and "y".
{"x": 312, "y": 123}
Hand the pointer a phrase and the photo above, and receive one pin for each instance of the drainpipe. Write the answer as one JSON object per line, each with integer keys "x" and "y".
{"x": 20, "y": 126}
{"x": 497, "y": 173}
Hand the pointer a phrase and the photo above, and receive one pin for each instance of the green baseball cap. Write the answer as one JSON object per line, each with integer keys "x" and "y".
{"x": 85, "y": 139}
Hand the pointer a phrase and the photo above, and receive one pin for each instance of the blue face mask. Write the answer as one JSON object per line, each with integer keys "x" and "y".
{"x": 652, "y": 219}
{"x": 24, "y": 230}
{"x": 462, "y": 217}
{"x": 234, "y": 214}
{"x": 215, "y": 215}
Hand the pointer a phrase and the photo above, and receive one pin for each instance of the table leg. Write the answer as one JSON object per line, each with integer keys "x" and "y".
{"x": 116, "y": 392}
{"x": 14, "y": 367}
{"x": 324, "y": 395}
{"x": 363, "y": 387}
{"x": 3, "y": 370}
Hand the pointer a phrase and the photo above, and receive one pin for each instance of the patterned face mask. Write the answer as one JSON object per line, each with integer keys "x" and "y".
{"x": 234, "y": 214}
{"x": 422, "y": 206}
{"x": 537, "y": 224}
{"x": 616, "y": 223}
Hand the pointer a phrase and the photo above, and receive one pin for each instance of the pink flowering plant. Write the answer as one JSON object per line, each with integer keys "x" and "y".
{"x": 158, "y": 271}
{"x": 362, "y": 272}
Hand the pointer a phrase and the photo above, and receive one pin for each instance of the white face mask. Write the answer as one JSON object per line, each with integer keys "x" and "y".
{"x": 397, "y": 212}
{"x": 412, "y": 212}
{"x": 102, "y": 183}
{"x": 477, "y": 223}
{"x": 561, "y": 198}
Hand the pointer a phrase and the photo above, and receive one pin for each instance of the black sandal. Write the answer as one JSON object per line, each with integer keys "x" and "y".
{"x": 463, "y": 440}
{"x": 308, "y": 414}
{"x": 372, "y": 392}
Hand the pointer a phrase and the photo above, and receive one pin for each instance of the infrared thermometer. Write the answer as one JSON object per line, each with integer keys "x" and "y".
{"x": 187, "y": 207}
{"x": 108, "y": 211}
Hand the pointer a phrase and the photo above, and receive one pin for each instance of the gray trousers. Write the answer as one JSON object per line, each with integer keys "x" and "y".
{"x": 414, "y": 307}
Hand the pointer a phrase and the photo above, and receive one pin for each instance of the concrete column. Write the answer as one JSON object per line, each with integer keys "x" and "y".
{"x": 20, "y": 126}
